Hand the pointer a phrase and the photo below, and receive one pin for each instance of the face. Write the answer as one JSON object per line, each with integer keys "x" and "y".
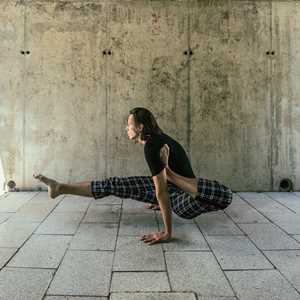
{"x": 132, "y": 129}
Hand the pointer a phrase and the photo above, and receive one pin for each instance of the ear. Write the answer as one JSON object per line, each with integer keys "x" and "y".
{"x": 141, "y": 127}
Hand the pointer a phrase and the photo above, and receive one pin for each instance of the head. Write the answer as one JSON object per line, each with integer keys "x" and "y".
{"x": 141, "y": 124}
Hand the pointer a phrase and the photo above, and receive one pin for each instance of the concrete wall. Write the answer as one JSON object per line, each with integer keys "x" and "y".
{"x": 220, "y": 76}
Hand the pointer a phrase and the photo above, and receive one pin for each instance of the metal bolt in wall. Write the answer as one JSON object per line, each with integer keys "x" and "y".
{"x": 107, "y": 52}
{"x": 24, "y": 52}
{"x": 270, "y": 52}
{"x": 188, "y": 52}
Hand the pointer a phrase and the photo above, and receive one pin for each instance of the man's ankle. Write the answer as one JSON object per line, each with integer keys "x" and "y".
{"x": 60, "y": 188}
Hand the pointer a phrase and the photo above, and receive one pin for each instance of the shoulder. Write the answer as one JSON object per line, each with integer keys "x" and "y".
{"x": 153, "y": 144}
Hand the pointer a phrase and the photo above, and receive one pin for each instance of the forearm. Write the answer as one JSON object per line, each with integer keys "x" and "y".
{"x": 165, "y": 207}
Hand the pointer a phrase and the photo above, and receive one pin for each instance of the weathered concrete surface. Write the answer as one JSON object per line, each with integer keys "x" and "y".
{"x": 21, "y": 283}
{"x": 232, "y": 106}
{"x": 12, "y": 90}
{"x": 229, "y": 95}
{"x": 286, "y": 91}
{"x": 147, "y": 68}
{"x": 205, "y": 260}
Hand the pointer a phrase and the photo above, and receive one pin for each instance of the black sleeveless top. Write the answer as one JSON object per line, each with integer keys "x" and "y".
{"x": 178, "y": 160}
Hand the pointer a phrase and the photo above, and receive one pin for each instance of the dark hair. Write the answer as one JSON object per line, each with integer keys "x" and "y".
{"x": 143, "y": 116}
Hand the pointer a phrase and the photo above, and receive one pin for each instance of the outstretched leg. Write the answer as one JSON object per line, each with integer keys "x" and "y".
{"x": 55, "y": 188}
{"x": 140, "y": 188}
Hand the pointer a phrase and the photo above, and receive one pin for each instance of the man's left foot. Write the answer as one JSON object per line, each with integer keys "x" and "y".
{"x": 153, "y": 206}
{"x": 53, "y": 186}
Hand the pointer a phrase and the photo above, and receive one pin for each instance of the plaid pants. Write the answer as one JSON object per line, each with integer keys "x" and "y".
{"x": 212, "y": 194}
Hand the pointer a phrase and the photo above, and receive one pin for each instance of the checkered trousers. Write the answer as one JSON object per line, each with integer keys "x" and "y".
{"x": 212, "y": 194}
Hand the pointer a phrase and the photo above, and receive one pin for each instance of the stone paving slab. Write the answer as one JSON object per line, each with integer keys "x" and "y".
{"x": 215, "y": 298}
{"x": 33, "y": 212}
{"x": 288, "y": 263}
{"x": 198, "y": 272}
{"x": 5, "y": 216}
{"x": 137, "y": 224}
{"x": 154, "y": 296}
{"x": 129, "y": 243}
{"x": 74, "y": 298}
{"x": 287, "y": 199}
{"x": 237, "y": 252}
{"x": 73, "y": 203}
{"x": 41, "y": 251}
{"x": 241, "y": 212}
{"x": 217, "y": 223}
{"x": 83, "y": 273}
{"x": 264, "y": 204}
{"x": 5, "y": 255}
{"x": 14, "y": 200}
{"x": 269, "y": 237}
{"x": 103, "y": 213}
{"x": 94, "y": 236}
{"x": 43, "y": 197}
{"x": 14, "y": 233}
{"x": 107, "y": 200}
{"x": 290, "y": 223}
{"x": 297, "y": 237}
{"x": 185, "y": 237}
{"x": 134, "y": 255}
{"x": 61, "y": 223}
{"x": 131, "y": 206}
{"x": 139, "y": 282}
{"x": 262, "y": 284}
{"x": 276, "y": 212}
{"x": 22, "y": 283}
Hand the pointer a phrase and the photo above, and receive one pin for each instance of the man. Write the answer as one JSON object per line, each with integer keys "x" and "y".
{"x": 172, "y": 185}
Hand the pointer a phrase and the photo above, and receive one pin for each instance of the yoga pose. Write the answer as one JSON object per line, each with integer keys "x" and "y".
{"x": 172, "y": 185}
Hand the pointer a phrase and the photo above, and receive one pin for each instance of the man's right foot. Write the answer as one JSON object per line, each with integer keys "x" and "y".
{"x": 152, "y": 206}
{"x": 53, "y": 186}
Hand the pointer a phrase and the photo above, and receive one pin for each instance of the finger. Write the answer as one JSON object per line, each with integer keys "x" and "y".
{"x": 149, "y": 239}
{"x": 155, "y": 241}
{"x": 151, "y": 243}
{"x": 146, "y": 236}
{"x": 142, "y": 237}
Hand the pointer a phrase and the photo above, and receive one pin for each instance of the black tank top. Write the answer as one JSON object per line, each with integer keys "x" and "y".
{"x": 178, "y": 160}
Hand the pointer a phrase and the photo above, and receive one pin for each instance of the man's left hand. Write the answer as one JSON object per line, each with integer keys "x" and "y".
{"x": 156, "y": 237}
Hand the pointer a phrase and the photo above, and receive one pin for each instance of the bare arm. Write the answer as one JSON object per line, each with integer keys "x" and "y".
{"x": 165, "y": 207}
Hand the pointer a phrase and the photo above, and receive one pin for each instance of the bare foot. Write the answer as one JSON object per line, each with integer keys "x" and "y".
{"x": 152, "y": 206}
{"x": 53, "y": 186}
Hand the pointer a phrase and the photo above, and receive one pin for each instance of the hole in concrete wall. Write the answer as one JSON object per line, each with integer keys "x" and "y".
{"x": 286, "y": 185}
{"x": 11, "y": 185}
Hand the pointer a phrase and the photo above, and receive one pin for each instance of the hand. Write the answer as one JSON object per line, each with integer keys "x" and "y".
{"x": 164, "y": 154}
{"x": 156, "y": 237}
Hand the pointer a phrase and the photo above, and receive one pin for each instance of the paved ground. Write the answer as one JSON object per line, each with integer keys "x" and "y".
{"x": 79, "y": 248}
